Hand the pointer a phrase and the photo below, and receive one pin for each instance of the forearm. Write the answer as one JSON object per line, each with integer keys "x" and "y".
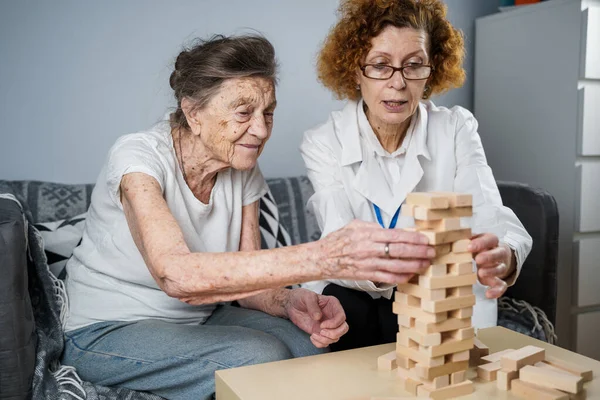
{"x": 210, "y": 277}
{"x": 271, "y": 301}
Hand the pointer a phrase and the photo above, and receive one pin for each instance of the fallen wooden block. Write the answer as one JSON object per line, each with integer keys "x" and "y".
{"x": 504, "y": 378}
{"x": 387, "y": 362}
{"x": 497, "y": 356}
{"x": 481, "y": 348}
{"x": 551, "y": 379}
{"x": 529, "y": 391}
{"x": 488, "y": 372}
{"x": 586, "y": 374}
{"x": 527, "y": 355}
{"x": 447, "y": 236}
{"x": 429, "y": 200}
{"x": 449, "y": 392}
{"x": 443, "y": 282}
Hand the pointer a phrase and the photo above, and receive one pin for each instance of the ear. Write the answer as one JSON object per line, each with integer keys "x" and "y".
{"x": 191, "y": 115}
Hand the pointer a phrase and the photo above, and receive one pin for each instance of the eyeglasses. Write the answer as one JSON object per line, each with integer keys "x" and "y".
{"x": 410, "y": 72}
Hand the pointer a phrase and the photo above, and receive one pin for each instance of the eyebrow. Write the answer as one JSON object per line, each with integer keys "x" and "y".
{"x": 383, "y": 53}
{"x": 246, "y": 100}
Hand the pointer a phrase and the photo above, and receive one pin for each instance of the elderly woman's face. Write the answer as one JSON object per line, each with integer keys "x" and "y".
{"x": 237, "y": 122}
{"x": 394, "y": 101}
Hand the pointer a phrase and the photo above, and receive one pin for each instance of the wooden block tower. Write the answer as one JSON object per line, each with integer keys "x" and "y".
{"x": 434, "y": 309}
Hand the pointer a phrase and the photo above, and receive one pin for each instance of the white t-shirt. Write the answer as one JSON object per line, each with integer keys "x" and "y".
{"x": 107, "y": 279}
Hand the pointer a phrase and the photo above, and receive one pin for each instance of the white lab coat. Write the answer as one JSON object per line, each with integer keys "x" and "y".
{"x": 444, "y": 154}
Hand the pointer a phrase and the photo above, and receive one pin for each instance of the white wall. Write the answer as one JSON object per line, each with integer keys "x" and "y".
{"x": 76, "y": 75}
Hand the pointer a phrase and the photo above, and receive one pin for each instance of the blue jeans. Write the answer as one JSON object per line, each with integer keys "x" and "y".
{"x": 179, "y": 361}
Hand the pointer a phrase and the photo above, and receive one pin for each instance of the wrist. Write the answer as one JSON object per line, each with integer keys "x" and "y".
{"x": 281, "y": 301}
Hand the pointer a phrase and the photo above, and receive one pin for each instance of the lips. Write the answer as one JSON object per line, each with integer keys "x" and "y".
{"x": 395, "y": 103}
{"x": 250, "y": 146}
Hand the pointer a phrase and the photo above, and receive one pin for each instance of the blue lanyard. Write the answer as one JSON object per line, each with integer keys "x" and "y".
{"x": 380, "y": 220}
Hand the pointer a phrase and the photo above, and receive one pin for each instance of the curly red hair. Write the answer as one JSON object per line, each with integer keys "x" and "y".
{"x": 361, "y": 20}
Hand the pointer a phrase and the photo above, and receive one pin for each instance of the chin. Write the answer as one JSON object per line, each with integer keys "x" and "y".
{"x": 244, "y": 164}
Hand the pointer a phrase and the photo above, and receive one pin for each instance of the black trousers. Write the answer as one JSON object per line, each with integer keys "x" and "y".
{"x": 371, "y": 321}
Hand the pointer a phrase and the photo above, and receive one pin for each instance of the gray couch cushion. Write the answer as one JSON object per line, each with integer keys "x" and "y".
{"x": 17, "y": 330}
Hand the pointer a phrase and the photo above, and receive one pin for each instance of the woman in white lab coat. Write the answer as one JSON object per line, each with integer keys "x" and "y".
{"x": 387, "y": 57}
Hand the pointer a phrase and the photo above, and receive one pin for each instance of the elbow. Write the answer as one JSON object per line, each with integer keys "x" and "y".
{"x": 171, "y": 277}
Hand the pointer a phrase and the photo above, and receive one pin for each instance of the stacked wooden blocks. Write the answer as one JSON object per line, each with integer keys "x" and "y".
{"x": 434, "y": 309}
{"x": 531, "y": 374}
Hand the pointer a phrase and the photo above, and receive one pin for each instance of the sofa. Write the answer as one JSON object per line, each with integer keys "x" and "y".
{"x": 51, "y": 216}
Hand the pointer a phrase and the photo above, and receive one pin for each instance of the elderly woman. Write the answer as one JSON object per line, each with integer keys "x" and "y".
{"x": 172, "y": 236}
{"x": 387, "y": 57}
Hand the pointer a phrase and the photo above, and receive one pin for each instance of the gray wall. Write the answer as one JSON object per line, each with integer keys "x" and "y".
{"x": 76, "y": 75}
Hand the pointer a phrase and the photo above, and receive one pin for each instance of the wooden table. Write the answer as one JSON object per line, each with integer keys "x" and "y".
{"x": 353, "y": 374}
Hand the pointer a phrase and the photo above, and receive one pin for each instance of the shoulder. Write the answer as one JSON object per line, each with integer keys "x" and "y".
{"x": 155, "y": 140}
{"x": 327, "y": 133}
{"x": 444, "y": 118}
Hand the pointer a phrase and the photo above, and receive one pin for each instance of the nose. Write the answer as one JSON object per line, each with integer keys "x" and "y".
{"x": 259, "y": 127}
{"x": 397, "y": 80}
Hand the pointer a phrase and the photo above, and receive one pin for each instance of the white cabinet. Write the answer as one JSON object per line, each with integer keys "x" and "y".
{"x": 537, "y": 100}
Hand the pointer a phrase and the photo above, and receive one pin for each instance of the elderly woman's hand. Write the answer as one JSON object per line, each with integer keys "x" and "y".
{"x": 495, "y": 262}
{"x": 365, "y": 251}
{"x": 320, "y": 316}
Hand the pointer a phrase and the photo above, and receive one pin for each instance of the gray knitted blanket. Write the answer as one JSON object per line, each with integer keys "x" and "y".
{"x": 49, "y": 302}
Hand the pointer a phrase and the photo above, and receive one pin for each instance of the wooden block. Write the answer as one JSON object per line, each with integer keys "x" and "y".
{"x": 404, "y": 362}
{"x": 461, "y": 313}
{"x": 457, "y": 199}
{"x": 482, "y": 348}
{"x": 408, "y": 384}
{"x": 458, "y": 377}
{"x": 449, "y": 346}
{"x": 437, "y": 269}
{"x": 423, "y": 213}
{"x": 443, "y": 282}
{"x": 449, "y": 304}
{"x": 449, "y": 392}
{"x": 421, "y": 292}
{"x": 447, "y": 236}
{"x": 551, "y": 379}
{"x": 461, "y": 356}
{"x": 418, "y": 356}
{"x": 417, "y": 313}
{"x": 402, "y": 339}
{"x": 527, "y": 355}
{"x": 542, "y": 364}
{"x": 407, "y": 299}
{"x": 439, "y": 225}
{"x": 529, "y": 391}
{"x": 437, "y": 383}
{"x": 441, "y": 370}
{"x": 406, "y": 321}
{"x": 494, "y": 357}
{"x": 586, "y": 374}
{"x": 387, "y": 362}
{"x": 474, "y": 358}
{"x": 443, "y": 326}
{"x": 460, "y": 246}
{"x": 463, "y": 334}
{"x": 428, "y": 200}
{"x": 453, "y": 258}
{"x": 504, "y": 377}
{"x": 459, "y": 291}
{"x": 488, "y": 372}
{"x": 428, "y": 339}
{"x": 461, "y": 268}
